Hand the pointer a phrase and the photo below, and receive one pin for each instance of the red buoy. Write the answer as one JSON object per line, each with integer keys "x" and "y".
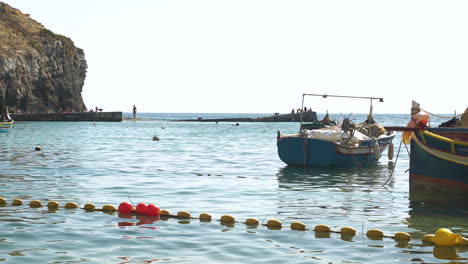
{"x": 153, "y": 210}
{"x": 125, "y": 208}
{"x": 142, "y": 208}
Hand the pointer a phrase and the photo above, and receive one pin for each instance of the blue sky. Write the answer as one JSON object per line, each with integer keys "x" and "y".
{"x": 260, "y": 56}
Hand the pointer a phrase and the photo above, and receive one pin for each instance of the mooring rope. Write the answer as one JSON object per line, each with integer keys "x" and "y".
{"x": 305, "y": 149}
{"x": 394, "y": 165}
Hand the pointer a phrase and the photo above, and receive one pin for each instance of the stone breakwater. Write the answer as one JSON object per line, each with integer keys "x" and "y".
{"x": 306, "y": 117}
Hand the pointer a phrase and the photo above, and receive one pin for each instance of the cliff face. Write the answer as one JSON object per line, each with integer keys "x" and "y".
{"x": 40, "y": 72}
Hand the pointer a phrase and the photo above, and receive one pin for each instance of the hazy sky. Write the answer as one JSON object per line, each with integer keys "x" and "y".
{"x": 260, "y": 56}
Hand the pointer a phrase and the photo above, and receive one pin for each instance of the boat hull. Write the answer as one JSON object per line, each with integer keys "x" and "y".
{"x": 439, "y": 163}
{"x": 311, "y": 152}
{"x": 5, "y": 126}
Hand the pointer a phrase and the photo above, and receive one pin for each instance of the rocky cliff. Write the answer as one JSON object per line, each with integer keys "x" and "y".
{"x": 40, "y": 72}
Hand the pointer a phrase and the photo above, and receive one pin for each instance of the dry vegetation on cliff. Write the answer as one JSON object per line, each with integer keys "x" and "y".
{"x": 40, "y": 71}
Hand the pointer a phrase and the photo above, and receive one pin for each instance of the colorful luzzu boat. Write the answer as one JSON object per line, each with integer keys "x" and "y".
{"x": 439, "y": 159}
{"x": 5, "y": 126}
{"x": 438, "y": 156}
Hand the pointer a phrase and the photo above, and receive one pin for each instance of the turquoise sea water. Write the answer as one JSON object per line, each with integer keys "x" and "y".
{"x": 204, "y": 167}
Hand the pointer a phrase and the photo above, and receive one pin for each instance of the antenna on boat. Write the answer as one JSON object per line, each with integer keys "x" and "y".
{"x": 371, "y": 110}
{"x": 302, "y": 107}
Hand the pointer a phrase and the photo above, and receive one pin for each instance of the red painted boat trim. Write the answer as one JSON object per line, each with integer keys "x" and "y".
{"x": 449, "y": 184}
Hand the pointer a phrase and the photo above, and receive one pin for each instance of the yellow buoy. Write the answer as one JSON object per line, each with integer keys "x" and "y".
{"x": 375, "y": 233}
{"x": 164, "y": 212}
{"x": 109, "y": 208}
{"x": 89, "y": 207}
{"x": 183, "y": 214}
{"x": 35, "y": 203}
{"x": 322, "y": 228}
{"x": 428, "y": 238}
{"x": 274, "y": 223}
{"x": 53, "y": 204}
{"x": 3, "y": 201}
{"x": 298, "y": 226}
{"x": 228, "y": 219}
{"x": 445, "y": 253}
{"x": 205, "y": 217}
{"x": 348, "y": 230}
{"x": 445, "y": 237}
{"x": 402, "y": 236}
{"x": 17, "y": 202}
{"x": 71, "y": 205}
{"x": 461, "y": 241}
{"x": 251, "y": 221}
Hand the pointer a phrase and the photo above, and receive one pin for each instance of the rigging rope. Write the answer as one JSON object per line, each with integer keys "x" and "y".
{"x": 447, "y": 117}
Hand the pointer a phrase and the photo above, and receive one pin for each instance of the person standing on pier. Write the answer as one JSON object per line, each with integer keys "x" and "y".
{"x": 134, "y": 112}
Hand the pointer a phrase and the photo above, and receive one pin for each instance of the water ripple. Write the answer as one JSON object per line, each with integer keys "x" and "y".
{"x": 201, "y": 167}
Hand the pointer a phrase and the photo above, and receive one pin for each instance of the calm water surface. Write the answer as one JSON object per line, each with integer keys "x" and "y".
{"x": 204, "y": 167}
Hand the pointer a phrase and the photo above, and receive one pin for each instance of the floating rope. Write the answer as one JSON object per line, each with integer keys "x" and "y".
{"x": 442, "y": 237}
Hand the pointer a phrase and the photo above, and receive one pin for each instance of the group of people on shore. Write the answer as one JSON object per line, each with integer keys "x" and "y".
{"x": 300, "y": 110}
{"x": 96, "y": 109}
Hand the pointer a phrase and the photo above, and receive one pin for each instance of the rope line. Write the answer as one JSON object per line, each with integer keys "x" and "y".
{"x": 305, "y": 149}
{"x": 393, "y": 169}
{"x": 446, "y": 117}
{"x": 273, "y": 224}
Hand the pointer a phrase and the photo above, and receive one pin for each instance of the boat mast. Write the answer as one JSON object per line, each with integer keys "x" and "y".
{"x": 302, "y": 107}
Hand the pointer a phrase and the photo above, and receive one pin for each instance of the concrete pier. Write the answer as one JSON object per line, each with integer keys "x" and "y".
{"x": 72, "y": 117}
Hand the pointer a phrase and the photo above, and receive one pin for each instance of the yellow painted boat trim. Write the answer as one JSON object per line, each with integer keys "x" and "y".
{"x": 448, "y": 140}
{"x": 441, "y": 154}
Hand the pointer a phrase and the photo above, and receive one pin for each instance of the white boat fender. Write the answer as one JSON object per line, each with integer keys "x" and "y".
{"x": 390, "y": 151}
{"x": 376, "y": 149}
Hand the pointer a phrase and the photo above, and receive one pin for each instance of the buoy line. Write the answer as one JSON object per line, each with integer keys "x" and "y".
{"x": 442, "y": 237}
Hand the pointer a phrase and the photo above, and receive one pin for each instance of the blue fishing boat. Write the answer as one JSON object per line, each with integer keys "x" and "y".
{"x": 439, "y": 160}
{"x": 347, "y": 144}
{"x": 5, "y": 126}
